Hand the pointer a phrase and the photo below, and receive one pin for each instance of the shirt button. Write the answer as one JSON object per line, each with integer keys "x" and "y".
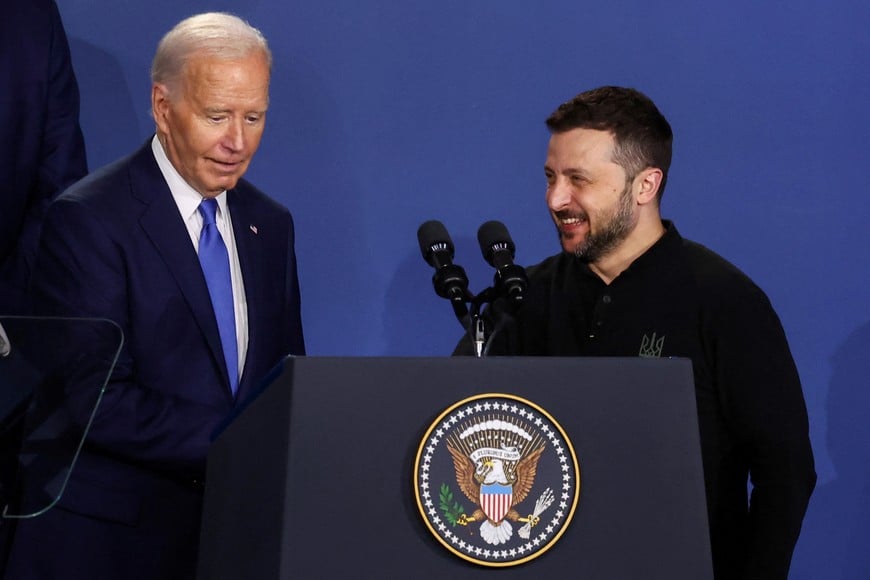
{"x": 606, "y": 298}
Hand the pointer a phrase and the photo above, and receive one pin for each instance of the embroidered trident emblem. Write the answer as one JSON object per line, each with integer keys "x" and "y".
{"x": 651, "y": 346}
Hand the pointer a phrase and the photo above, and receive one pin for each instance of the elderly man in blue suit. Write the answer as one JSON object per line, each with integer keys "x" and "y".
{"x": 198, "y": 268}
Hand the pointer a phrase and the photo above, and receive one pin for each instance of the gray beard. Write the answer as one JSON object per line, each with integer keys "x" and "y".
{"x": 612, "y": 233}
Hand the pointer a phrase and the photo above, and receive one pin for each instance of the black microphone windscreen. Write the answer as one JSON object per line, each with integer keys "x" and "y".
{"x": 433, "y": 233}
{"x": 491, "y": 235}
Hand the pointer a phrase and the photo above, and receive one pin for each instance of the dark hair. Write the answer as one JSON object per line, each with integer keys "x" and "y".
{"x": 641, "y": 134}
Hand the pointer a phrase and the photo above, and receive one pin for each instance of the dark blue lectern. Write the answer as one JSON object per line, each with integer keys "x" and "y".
{"x": 314, "y": 479}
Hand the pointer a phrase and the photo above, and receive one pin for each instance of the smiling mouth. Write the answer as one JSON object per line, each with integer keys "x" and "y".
{"x": 570, "y": 220}
{"x": 570, "y": 225}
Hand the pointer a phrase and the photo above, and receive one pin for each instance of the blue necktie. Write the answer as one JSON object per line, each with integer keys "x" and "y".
{"x": 215, "y": 264}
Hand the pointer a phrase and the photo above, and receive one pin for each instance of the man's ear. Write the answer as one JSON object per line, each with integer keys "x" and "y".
{"x": 649, "y": 181}
{"x": 160, "y": 106}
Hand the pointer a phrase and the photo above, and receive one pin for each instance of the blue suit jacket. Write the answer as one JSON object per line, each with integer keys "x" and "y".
{"x": 115, "y": 246}
{"x": 41, "y": 145}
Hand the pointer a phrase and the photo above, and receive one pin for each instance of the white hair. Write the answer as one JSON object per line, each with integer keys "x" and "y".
{"x": 216, "y": 34}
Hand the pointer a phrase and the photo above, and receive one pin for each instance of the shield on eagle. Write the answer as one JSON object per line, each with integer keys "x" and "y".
{"x": 496, "y": 500}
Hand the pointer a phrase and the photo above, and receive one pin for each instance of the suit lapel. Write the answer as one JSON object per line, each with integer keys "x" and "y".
{"x": 164, "y": 227}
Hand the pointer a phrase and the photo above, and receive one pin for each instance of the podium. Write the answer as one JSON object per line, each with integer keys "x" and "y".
{"x": 54, "y": 370}
{"x": 315, "y": 477}
{"x": 53, "y": 373}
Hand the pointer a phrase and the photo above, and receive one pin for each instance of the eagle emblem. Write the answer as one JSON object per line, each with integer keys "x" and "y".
{"x": 496, "y": 479}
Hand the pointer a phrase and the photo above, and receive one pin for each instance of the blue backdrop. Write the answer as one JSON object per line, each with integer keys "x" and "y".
{"x": 385, "y": 114}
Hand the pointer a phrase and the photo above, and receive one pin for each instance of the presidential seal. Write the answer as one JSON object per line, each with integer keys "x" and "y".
{"x": 496, "y": 480}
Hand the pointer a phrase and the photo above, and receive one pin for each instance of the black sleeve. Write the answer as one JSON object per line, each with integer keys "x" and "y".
{"x": 765, "y": 410}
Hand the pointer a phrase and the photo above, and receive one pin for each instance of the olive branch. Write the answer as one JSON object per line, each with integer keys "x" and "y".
{"x": 450, "y": 508}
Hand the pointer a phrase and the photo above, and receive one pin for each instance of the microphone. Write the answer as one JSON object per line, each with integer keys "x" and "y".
{"x": 498, "y": 250}
{"x": 449, "y": 279}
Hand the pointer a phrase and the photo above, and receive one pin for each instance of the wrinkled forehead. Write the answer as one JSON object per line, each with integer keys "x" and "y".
{"x": 245, "y": 79}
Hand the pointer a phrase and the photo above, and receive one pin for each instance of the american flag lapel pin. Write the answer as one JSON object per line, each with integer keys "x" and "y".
{"x": 254, "y": 228}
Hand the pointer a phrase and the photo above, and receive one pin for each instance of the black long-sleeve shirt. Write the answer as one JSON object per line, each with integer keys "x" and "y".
{"x": 679, "y": 299}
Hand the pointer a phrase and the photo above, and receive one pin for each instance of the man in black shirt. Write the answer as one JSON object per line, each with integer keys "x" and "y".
{"x": 627, "y": 284}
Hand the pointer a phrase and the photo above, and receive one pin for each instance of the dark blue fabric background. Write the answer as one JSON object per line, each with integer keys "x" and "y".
{"x": 386, "y": 114}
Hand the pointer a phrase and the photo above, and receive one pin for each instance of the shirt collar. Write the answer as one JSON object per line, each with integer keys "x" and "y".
{"x": 186, "y": 198}
{"x": 649, "y": 258}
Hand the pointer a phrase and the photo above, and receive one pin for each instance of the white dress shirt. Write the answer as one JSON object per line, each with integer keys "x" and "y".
{"x": 188, "y": 199}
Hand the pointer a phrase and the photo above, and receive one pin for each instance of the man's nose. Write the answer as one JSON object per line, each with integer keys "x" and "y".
{"x": 558, "y": 194}
{"x": 234, "y": 138}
